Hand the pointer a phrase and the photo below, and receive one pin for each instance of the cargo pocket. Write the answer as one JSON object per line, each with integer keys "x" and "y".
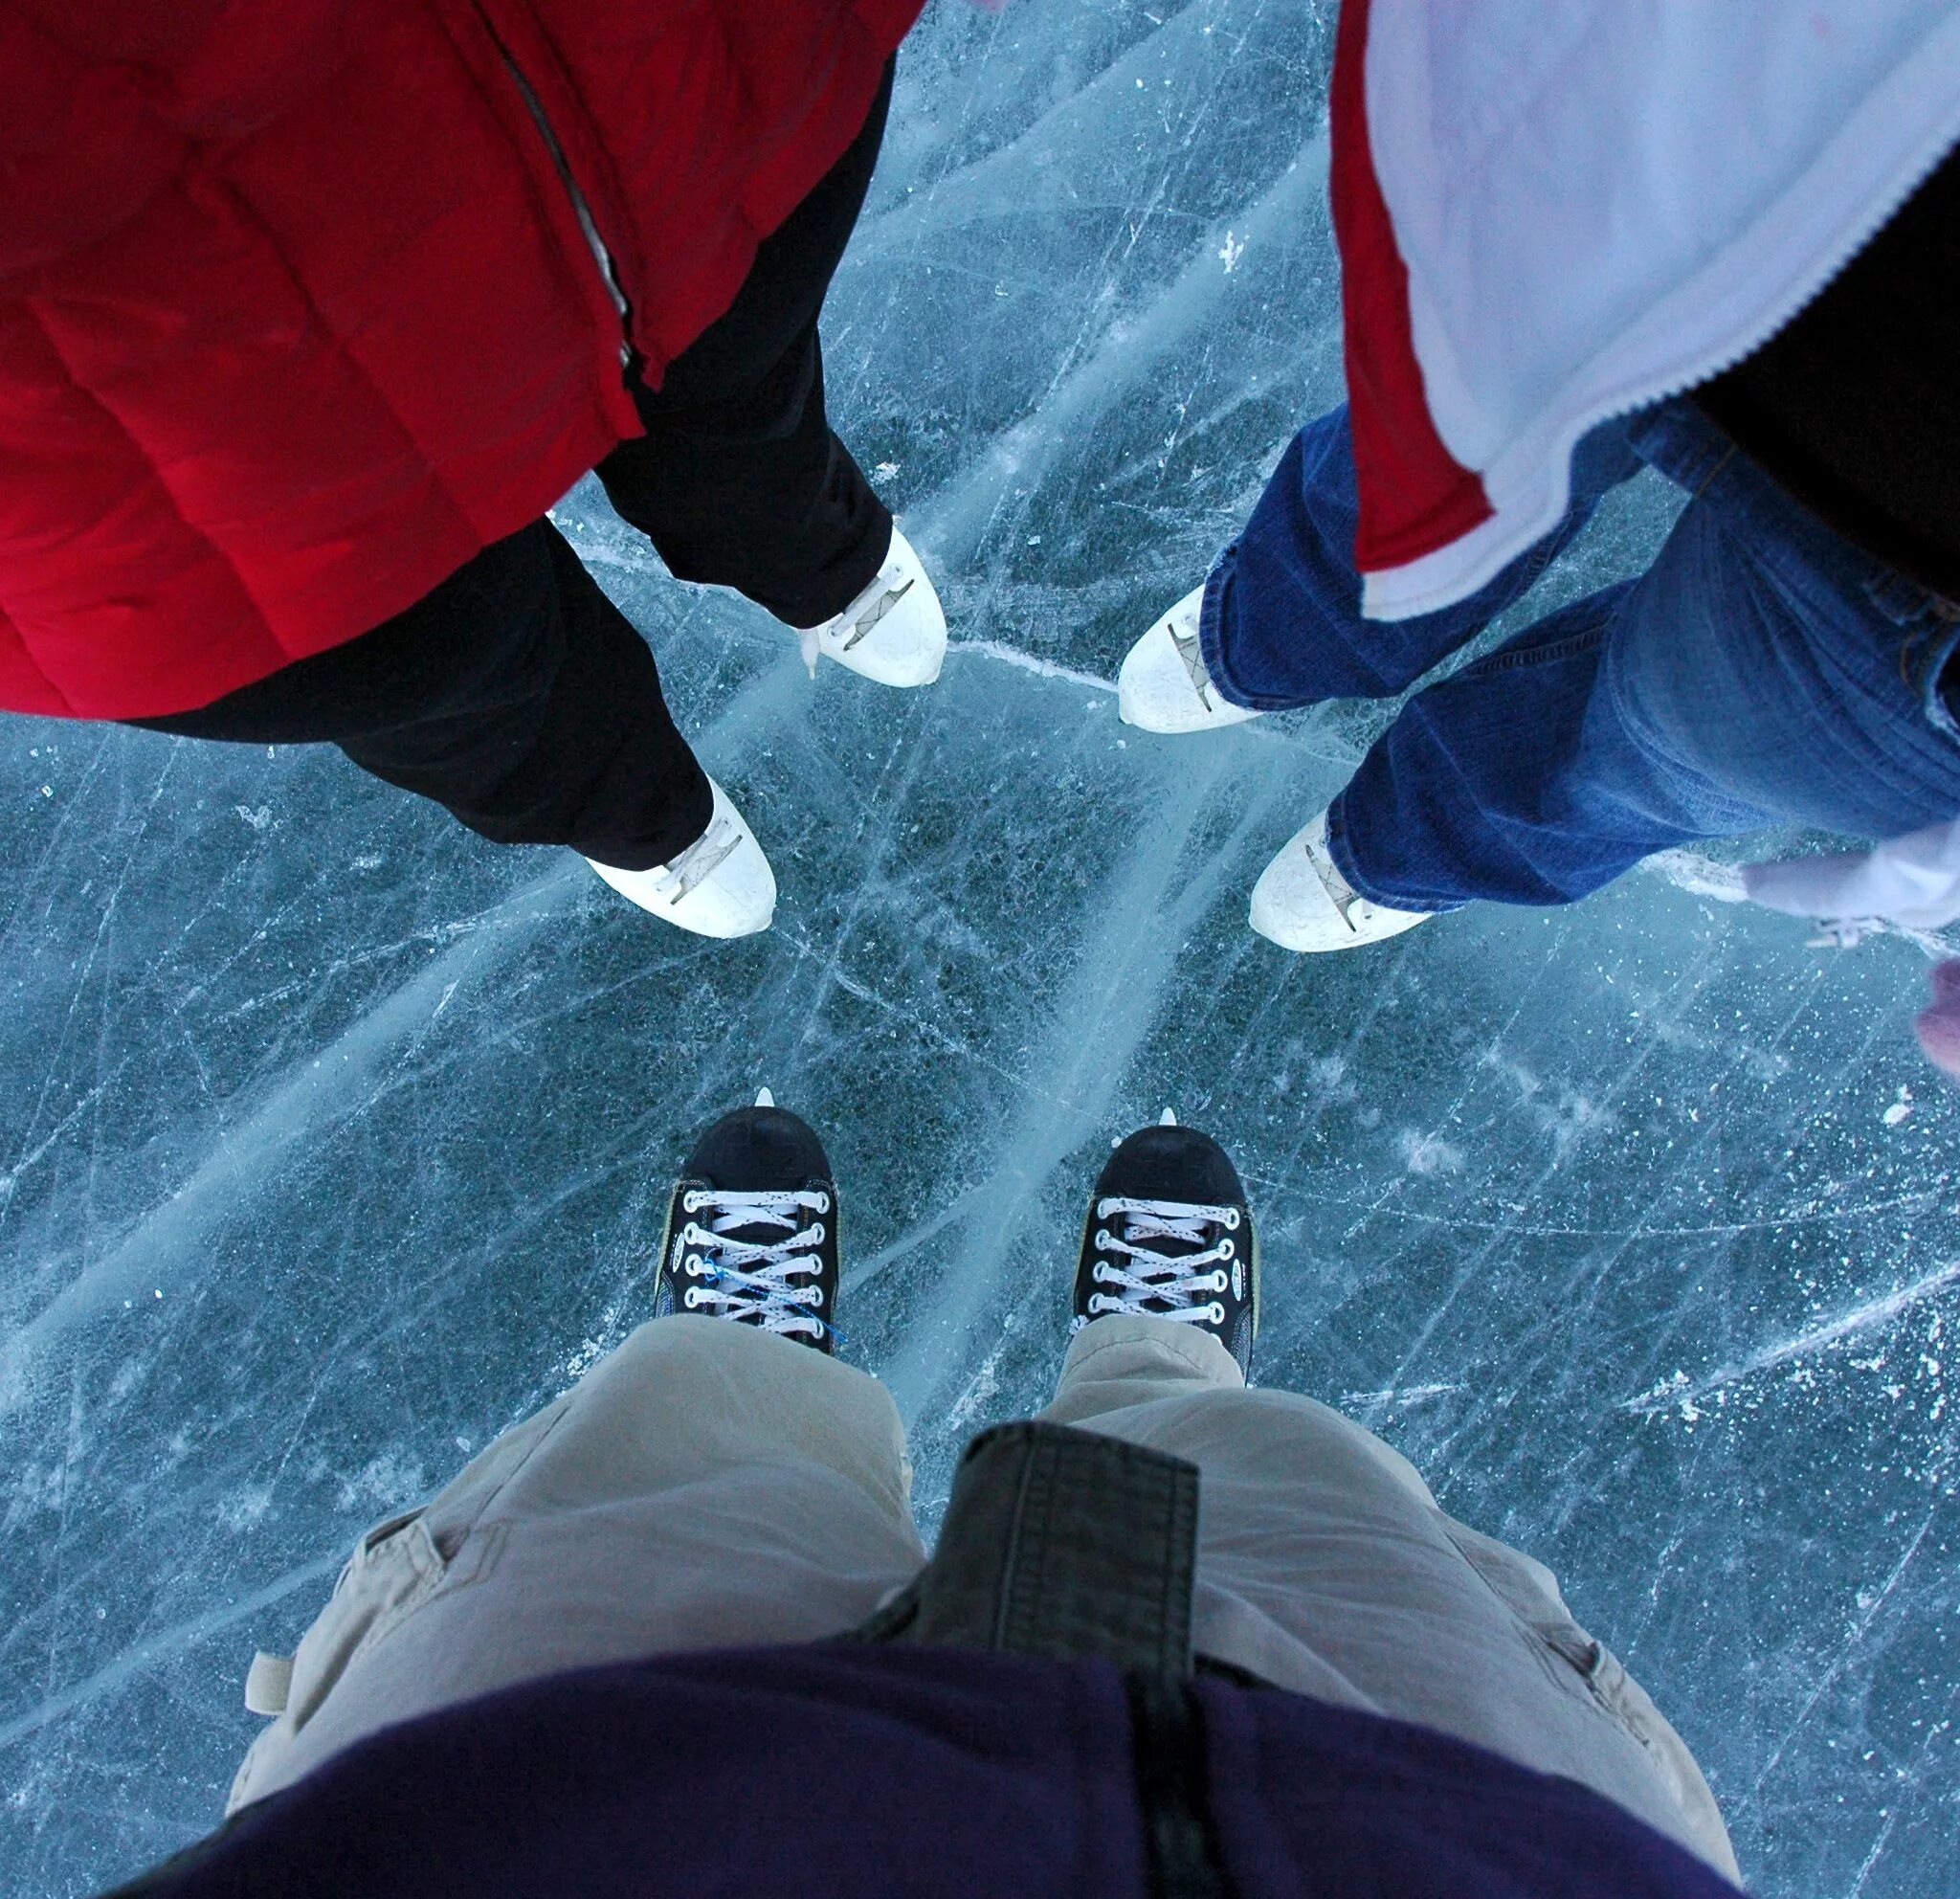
{"x": 395, "y": 1568}
{"x": 1605, "y": 1677}
{"x": 1632, "y": 1709}
{"x": 1583, "y": 1666}
{"x": 1578, "y": 1662}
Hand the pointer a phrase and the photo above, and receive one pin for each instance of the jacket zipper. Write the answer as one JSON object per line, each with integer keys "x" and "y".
{"x": 1813, "y": 285}
{"x": 602, "y": 256}
{"x": 1182, "y": 1858}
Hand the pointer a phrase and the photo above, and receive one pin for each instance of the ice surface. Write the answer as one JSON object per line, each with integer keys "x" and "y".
{"x": 333, "y": 1138}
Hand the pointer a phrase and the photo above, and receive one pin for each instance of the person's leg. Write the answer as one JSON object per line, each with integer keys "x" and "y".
{"x": 1281, "y": 624}
{"x": 1816, "y": 691}
{"x": 1761, "y": 671}
{"x": 719, "y": 1481}
{"x": 1323, "y": 1564}
{"x": 1324, "y": 1567}
{"x": 1515, "y": 779}
{"x": 516, "y": 694}
{"x": 709, "y": 1485}
{"x": 740, "y": 480}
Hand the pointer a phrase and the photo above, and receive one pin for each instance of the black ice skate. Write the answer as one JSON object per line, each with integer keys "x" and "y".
{"x": 753, "y": 1228}
{"x": 1168, "y": 1235}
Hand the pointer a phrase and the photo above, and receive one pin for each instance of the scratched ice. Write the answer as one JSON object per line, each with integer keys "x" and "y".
{"x": 332, "y": 1138}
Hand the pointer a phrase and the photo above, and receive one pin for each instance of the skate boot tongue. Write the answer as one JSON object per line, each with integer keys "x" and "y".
{"x": 1169, "y": 1236}
{"x": 756, "y": 1256}
{"x": 753, "y": 1228}
{"x": 1163, "y": 1259}
{"x": 744, "y": 1224}
{"x": 702, "y": 858}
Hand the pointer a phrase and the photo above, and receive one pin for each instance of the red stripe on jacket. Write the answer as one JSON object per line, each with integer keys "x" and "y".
{"x": 1415, "y": 495}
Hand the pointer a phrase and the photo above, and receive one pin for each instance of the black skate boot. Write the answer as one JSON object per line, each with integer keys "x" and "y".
{"x": 1168, "y": 1235}
{"x": 753, "y": 1228}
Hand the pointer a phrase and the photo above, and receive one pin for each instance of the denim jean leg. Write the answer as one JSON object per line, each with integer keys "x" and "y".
{"x": 1519, "y": 781}
{"x": 1281, "y": 624}
{"x": 1763, "y": 670}
{"x": 1791, "y": 668}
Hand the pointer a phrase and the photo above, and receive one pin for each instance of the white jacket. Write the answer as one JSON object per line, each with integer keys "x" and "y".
{"x": 1552, "y": 211}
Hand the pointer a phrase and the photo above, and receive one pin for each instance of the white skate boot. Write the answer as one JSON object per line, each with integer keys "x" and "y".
{"x": 1164, "y": 686}
{"x": 719, "y": 886}
{"x": 1301, "y": 901}
{"x": 894, "y": 631}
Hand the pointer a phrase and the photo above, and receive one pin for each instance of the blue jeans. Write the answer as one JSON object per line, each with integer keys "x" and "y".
{"x": 1761, "y": 671}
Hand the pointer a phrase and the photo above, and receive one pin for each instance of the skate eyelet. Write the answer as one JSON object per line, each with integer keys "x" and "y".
{"x": 690, "y": 1297}
{"x": 1226, "y": 1249}
{"x": 1216, "y": 1312}
{"x": 813, "y": 1297}
{"x": 1101, "y": 1242}
{"x": 823, "y": 1202}
{"x": 1104, "y": 1209}
{"x": 1231, "y": 1220}
{"x": 692, "y": 1265}
{"x": 689, "y": 1202}
{"x": 816, "y": 1234}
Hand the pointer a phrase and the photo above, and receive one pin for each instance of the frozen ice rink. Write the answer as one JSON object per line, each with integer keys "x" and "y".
{"x": 334, "y": 1140}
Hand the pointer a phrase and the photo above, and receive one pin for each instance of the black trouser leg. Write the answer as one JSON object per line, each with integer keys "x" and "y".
{"x": 516, "y": 694}
{"x": 739, "y": 479}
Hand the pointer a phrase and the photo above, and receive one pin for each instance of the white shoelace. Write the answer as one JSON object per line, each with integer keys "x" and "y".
{"x": 1163, "y": 1286}
{"x": 1189, "y": 648}
{"x": 753, "y": 1280}
{"x": 857, "y": 618}
{"x": 1349, "y": 905}
{"x": 700, "y": 860}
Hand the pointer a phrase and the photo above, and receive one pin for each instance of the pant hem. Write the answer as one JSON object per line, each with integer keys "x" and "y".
{"x": 1212, "y": 645}
{"x": 868, "y": 567}
{"x": 1341, "y": 853}
{"x": 655, "y": 858}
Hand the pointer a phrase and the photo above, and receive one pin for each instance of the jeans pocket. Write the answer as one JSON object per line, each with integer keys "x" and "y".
{"x": 1926, "y": 650}
{"x": 1904, "y": 601}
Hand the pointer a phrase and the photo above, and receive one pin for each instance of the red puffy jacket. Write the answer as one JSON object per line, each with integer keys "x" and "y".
{"x": 297, "y": 312}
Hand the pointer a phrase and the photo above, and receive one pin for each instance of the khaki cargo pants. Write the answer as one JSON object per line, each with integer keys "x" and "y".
{"x": 710, "y": 1486}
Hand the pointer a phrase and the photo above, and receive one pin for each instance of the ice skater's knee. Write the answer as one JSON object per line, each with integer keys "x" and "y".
{"x": 1133, "y": 1349}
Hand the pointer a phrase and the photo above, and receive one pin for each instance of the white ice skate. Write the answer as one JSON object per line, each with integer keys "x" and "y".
{"x": 1303, "y": 902}
{"x": 719, "y": 886}
{"x": 894, "y": 631}
{"x": 1164, "y": 686}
